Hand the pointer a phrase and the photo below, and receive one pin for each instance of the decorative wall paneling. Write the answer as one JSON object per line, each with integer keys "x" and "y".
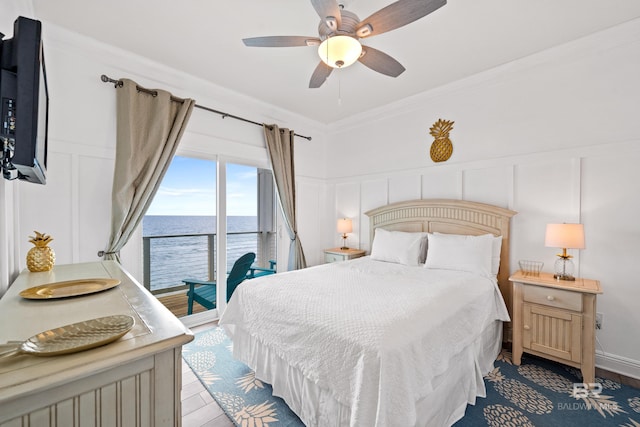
{"x": 404, "y": 187}
{"x": 610, "y": 210}
{"x": 311, "y": 204}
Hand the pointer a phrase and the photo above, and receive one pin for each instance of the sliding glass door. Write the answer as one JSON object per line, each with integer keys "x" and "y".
{"x": 206, "y": 213}
{"x": 179, "y": 231}
{"x": 250, "y": 215}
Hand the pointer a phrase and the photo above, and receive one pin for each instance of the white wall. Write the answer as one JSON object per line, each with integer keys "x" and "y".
{"x": 554, "y": 136}
{"x": 74, "y": 205}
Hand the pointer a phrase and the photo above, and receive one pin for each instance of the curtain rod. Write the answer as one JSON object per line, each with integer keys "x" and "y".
{"x": 118, "y": 83}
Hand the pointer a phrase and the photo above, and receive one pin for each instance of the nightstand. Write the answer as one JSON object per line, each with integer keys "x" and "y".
{"x": 337, "y": 254}
{"x": 555, "y": 319}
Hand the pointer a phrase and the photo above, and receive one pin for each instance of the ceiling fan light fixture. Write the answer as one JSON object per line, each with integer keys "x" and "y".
{"x": 340, "y": 51}
{"x": 364, "y": 31}
{"x": 331, "y": 22}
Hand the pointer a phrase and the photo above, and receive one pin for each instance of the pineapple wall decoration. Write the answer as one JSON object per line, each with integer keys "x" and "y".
{"x": 442, "y": 148}
{"x": 41, "y": 257}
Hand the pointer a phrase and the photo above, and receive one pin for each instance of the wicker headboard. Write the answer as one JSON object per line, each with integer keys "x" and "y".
{"x": 453, "y": 217}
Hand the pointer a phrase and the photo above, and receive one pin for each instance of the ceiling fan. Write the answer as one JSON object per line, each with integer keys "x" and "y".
{"x": 339, "y": 33}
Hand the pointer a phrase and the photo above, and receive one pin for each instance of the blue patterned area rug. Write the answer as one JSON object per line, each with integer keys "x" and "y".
{"x": 537, "y": 393}
{"x": 543, "y": 393}
{"x": 246, "y": 400}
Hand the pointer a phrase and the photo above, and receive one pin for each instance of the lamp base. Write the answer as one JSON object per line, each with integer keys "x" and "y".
{"x": 564, "y": 277}
{"x": 344, "y": 242}
{"x": 564, "y": 268}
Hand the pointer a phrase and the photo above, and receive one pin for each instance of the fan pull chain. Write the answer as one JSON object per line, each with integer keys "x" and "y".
{"x": 339, "y": 91}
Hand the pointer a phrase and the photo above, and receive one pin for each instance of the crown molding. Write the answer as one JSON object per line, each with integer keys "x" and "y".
{"x": 118, "y": 62}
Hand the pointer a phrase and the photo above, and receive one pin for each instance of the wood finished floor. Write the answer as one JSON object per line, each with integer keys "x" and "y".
{"x": 177, "y": 304}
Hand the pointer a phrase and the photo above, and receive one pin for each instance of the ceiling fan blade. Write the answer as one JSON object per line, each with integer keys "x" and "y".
{"x": 328, "y": 9}
{"x": 380, "y": 62}
{"x": 319, "y": 75}
{"x": 396, "y": 15}
{"x": 281, "y": 41}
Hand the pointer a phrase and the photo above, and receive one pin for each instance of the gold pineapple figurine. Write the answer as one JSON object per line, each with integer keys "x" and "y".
{"x": 41, "y": 257}
{"x": 442, "y": 148}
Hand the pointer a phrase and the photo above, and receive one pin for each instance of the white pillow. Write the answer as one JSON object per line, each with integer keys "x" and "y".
{"x": 496, "y": 249}
{"x": 460, "y": 252}
{"x": 396, "y": 246}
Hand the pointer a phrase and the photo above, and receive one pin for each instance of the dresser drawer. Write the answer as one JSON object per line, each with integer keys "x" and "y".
{"x": 333, "y": 257}
{"x": 553, "y": 297}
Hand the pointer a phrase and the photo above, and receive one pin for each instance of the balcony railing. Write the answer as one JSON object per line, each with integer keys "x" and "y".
{"x": 168, "y": 259}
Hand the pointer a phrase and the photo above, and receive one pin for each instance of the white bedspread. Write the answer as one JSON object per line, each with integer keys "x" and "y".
{"x": 373, "y": 333}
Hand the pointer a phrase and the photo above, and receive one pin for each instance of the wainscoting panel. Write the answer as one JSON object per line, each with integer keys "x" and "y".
{"x": 611, "y": 213}
{"x": 348, "y": 200}
{"x": 543, "y": 194}
{"x": 309, "y": 207}
{"x": 442, "y": 183}
{"x": 404, "y": 187}
{"x": 489, "y": 185}
{"x": 93, "y": 218}
{"x": 41, "y": 208}
{"x": 375, "y": 193}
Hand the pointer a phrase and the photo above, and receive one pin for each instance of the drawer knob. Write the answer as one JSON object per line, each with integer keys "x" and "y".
{"x": 550, "y": 297}
{"x": 526, "y": 327}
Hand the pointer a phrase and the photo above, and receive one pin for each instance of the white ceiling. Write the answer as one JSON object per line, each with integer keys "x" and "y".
{"x": 203, "y": 38}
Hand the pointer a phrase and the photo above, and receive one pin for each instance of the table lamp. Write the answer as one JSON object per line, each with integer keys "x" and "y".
{"x": 565, "y": 236}
{"x": 344, "y": 227}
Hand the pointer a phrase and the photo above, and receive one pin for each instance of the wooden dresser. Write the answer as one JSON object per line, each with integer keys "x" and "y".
{"x": 555, "y": 319}
{"x": 134, "y": 381}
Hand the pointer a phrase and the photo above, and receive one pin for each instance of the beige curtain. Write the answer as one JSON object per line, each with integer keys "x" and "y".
{"x": 149, "y": 127}
{"x": 280, "y": 148}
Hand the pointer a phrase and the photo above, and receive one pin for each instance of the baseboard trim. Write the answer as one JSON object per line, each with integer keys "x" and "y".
{"x": 618, "y": 364}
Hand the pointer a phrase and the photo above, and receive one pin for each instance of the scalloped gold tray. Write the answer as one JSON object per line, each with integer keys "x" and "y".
{"x": 75, "y": 337}
{"x": 69, "y": 288}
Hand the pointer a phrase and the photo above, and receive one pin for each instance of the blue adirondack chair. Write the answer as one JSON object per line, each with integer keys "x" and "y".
{"x": 205, "y": 294}
{"x": 258, "y": 271}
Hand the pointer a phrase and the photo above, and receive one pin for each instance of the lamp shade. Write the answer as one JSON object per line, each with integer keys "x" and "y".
{"x": 339, "y": 51}
{"x": 570, "y": 236}
{"x": 344, "y": 225}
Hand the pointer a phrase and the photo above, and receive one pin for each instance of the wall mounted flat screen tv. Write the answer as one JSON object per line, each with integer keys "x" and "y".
{"x": 24, "y": 103}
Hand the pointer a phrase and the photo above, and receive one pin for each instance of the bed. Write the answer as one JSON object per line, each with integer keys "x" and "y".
{"x": 380, "y": 341}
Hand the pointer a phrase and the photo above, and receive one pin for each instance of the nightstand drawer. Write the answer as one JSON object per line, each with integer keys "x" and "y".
{"x": 553, "y": 297}
{"x": 333, "y": 257}
{"x": 337, "y": 254}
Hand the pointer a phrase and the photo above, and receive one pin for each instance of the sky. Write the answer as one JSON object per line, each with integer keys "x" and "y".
{"x": 189, "y": 188}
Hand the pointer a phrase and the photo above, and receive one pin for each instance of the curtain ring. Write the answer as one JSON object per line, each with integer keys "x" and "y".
{"x": 103, "y": 253}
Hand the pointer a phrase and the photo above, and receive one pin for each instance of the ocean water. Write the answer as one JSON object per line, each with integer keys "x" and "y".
{"x": 183, "y": 253}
